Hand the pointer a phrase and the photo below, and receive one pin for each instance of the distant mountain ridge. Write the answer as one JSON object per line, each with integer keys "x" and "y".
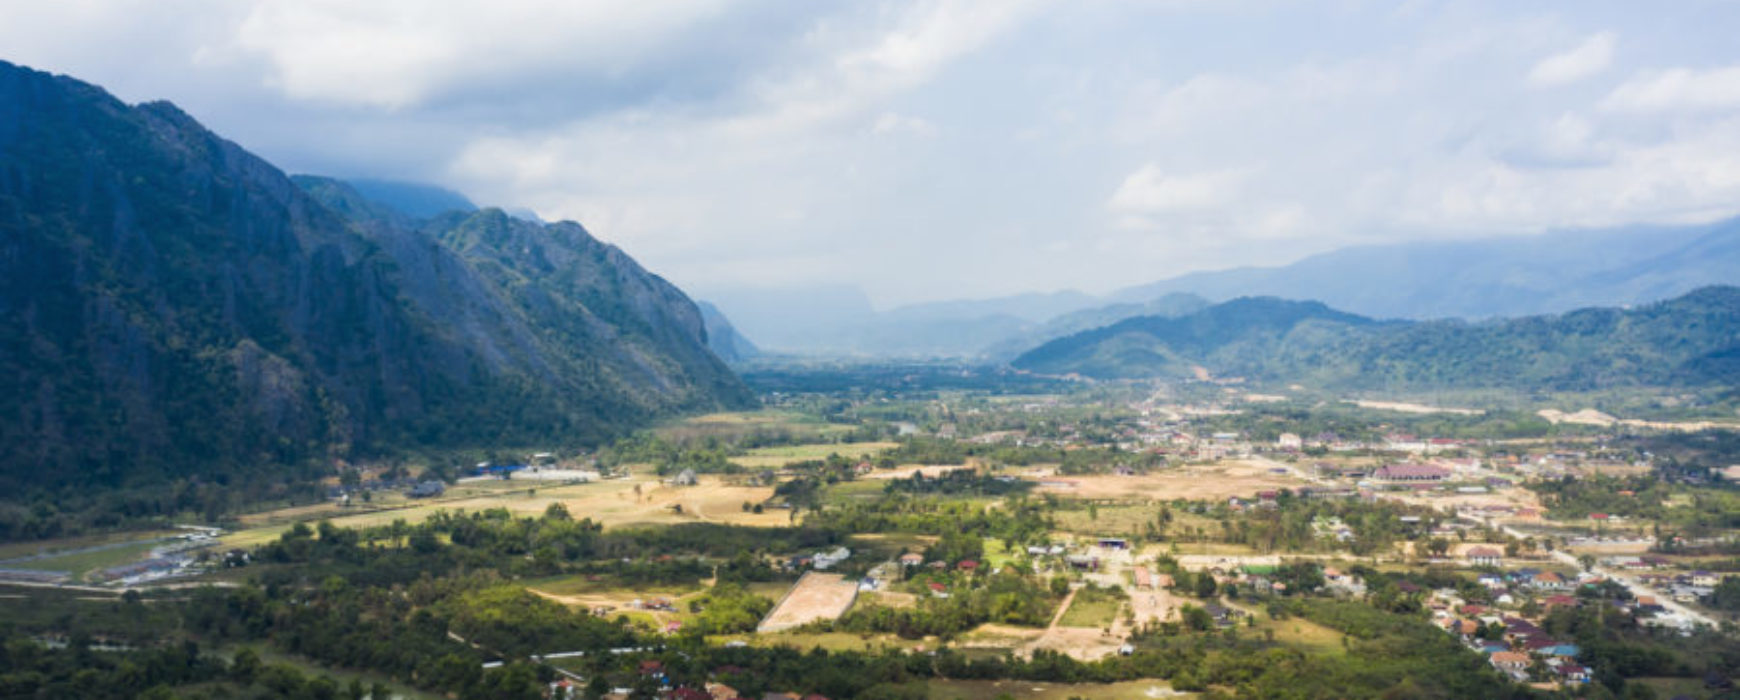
{"x": 1492, "y": 278}
{"x": 1502, "y": 277}
{"x": 1691, "y": 340}
{"x": 179, "y": 308}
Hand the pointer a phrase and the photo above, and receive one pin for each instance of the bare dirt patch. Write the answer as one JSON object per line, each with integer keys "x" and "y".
{"x": 816, "y": 596}
{"x": 1590, "y": 416}
{"x": 1403, "y": 407}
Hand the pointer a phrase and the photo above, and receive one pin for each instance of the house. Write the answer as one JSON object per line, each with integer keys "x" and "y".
{"x": 1572, "y": 673}
{"x": 1410, "y": 472}
{"x": 911, "y": 559}
{"x": 1706, "y": 579}
{"x": 685, "y": 478}
{"x": 968, "y": 566}
{"x": 1289, "y": 441}
{"x": 1551, "y": 647}
{"x": 1484, "y": 556}
{"x": 427, "y": 489}
{"x": 827, "y": 560}
{"x": 1082, "y": 562}
{"x": 1142, "y": 578}
{"x": 652, "y": 667}
{"x": 1114, "y": 543}
{"x": 720, "y": 691}
{"x": 1509, "y": 661}
{"x": 1549, "y": 580}
{"x": 1559, "y": 600}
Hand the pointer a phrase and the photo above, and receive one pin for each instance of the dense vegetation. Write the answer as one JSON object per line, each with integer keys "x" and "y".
{"x": 179, "y": 309}
{"x": 1689, "y": 341}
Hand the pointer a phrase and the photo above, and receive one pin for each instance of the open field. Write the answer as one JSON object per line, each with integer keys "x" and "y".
{"x": 1402, "y": 407}
{"x": 994, "y": 636}
{"x": 1241, "y": 478}
{"x": 14, "y": 550}
{"x": 1027, "y": 690}
{"x": 1304, "y": 634}
{"x": 564, "y": 586}
{"x": 78, "y": 563}
{"x": 640, "y": 500}
{"x": 889, "y": 545}
{"x": 741, "y": 423}
{"x": 906, "y": 471}
{"x": 775, "y": 457}
{"x": 1590, "y": 416}
{"x": 1091, "y": 608}
{"x": 816, "y": 596}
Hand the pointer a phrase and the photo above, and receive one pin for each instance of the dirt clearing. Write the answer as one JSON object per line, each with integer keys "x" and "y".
{"x": 816, "y": 596}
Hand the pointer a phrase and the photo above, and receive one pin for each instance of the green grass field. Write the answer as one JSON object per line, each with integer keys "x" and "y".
{"x": 789, "y": 454}
{"x": 1092, "y": 607}
{"x": 80, "y": 563}
{"x": 741, "y": 423}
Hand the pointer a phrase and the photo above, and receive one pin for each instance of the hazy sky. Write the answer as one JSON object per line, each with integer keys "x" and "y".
{"x": 929, "y": 150}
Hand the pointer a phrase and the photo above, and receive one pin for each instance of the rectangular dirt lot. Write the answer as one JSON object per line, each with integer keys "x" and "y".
{"x": 816, "y": 596}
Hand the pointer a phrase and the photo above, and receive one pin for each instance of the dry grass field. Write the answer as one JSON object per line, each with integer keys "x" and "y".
{"x": 639, "y": 500}
{"x": 1212, "y": 482}
{"x": 776, "y": 457}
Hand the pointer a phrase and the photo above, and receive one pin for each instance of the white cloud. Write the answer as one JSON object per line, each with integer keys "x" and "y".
{"x": 1588, "y": 59}
{"x": 891, "y": 123}
{"x": 396, "y": 53}
{"x": 1678, "y": 90}
{"x": 1151, "y": 190}
{"x": 965, "y": 143}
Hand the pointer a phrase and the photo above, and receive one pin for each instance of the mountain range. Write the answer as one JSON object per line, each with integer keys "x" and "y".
{"x": 1690, "y": 340}
{"x": 176, "y": 306}
{"x": 1472, "y": 279}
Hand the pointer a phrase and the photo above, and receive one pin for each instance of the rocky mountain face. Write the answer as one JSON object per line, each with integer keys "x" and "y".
{"x": 723, "y": 338}
{"x": 175, "y": 306}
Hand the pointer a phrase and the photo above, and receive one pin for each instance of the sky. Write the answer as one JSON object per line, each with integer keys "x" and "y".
{"x": 946, "y": 150}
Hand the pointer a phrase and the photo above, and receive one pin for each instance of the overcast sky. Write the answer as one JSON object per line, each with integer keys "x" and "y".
{"x": 935, "y": 150}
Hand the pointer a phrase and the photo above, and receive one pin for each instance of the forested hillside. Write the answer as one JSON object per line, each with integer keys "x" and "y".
{"x": 1693, "y": 340}
{"x": 177, "y": 308}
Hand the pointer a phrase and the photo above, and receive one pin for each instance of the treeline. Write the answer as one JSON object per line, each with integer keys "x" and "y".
{"x": 961, "y": 482}
{"x": 551, "y": 544}
{"x": 1695, "y": 511}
